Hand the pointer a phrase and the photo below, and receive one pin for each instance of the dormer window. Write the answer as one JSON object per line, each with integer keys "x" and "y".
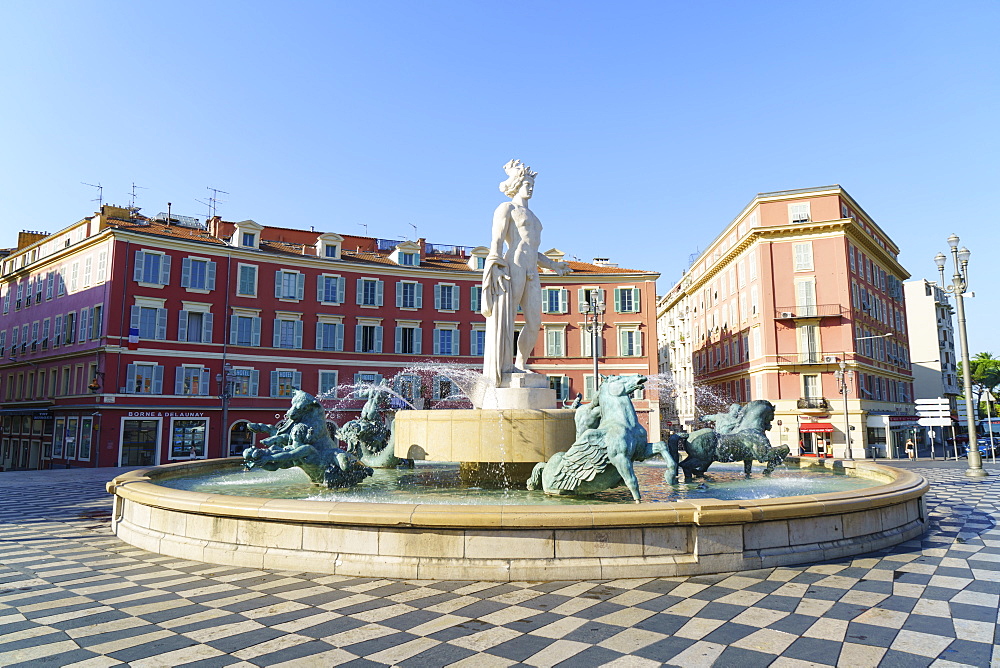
{"x": 249, "y": 239}
{"x": 477, "y": 258}
{"x": 328, "y": 245}
{"x": 247, "y": 234}
{"x": 406, "y": 254}
{"x": 408, "y": 259}
{"x": 331, "y": 251}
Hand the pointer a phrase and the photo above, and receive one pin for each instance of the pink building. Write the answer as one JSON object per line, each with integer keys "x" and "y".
{"x": 800, "y": 290}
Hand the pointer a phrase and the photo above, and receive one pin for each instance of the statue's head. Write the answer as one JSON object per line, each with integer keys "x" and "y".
{"x": 520, "y": 179}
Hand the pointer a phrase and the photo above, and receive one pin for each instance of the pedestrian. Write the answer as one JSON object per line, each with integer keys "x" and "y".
{"x": 911, "y": 450}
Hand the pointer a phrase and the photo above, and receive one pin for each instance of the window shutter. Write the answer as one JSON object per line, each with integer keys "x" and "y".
{"x": 636, "y": 294}
{"x": 182, "y": 326}
{"x": 456, "y": 292}
{"x": 399, "y": 296}
{"x": 399, "y": 338}
{"x": 436, "y": 384}
{"x": 638, "y": 343}
{"x": 254, "y": 382}
{"x": 84, "y": 323}
{"x": 300, "y": 288}
{"x": 474, "y": 298}
{"x": 165, "y": 270}
{"x": 277, "y": 284}
{"x": 274, "y": 383}
{"x": 179, "y": 380}
{"x": 204, "y": 381}
{"x": 378, "y": 338}
{"x": 340, "y": 289}
{"x": 437, "y": 306}
{"x": 319, "y": 336}
{"x": 339, "y": 343}
{"x": 130, "y": 379}
{"x": 255, "y": 335}
{"x": 357, "y": 338}
{"x": 277, "y": 333}
{"x": 456, "y": 348}
{"x": 563, "y": 300}
{"x": 297, "y": 380}
{"x": 185, "y": 274}
{"x": 161, "y": 324}
{"x": 206, "y": 327}
{"x": 139, "y": 265}
{"x": 618, "y": 300}
{"x": 360, "y": 294}
{"x": 437, "y": 341}
{"x": 379, "y": 287}
{"x": 417, "y": 340}
{"x": 418, "y": 291}
{"x": 233, "y": 333}
{"x": 298, "y": 333}
{"x": 320, "y": 288}
{"x": 210, "y": 281}
{"x": 157, "y": 379}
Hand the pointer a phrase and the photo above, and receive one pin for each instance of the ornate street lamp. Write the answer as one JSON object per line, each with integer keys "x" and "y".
{"x": 593, "y": 311}
{"x": 841, "y": 376}
{"x": 959, "y": 283}
{"x": 226, "y": 388}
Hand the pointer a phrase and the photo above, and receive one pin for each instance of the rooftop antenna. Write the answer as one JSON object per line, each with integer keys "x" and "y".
{"x": 100, "y": 193}
{"x": 131, "y": 204}
{"x": 415, "y": 237}
{"x": 213, "y": 201}
{"x": 364, "y": 225}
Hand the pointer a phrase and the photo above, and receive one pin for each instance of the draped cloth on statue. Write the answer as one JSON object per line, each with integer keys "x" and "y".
{"x": 499, "y": 309}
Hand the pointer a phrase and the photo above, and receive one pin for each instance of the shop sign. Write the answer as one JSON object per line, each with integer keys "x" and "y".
{"x": 151, "y": 414}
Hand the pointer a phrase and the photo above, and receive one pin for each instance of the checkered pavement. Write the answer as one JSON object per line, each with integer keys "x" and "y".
{"x": 71, "y": 593}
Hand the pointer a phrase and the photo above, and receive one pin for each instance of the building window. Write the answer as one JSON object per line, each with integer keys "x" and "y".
{"x": 198, "y": 274}
{"x": 249, "y": 239}
{"x": 327, "y": 382}
{"x": 629, "y": 342}
{"x": 798, "y": 212}
{"x": 408, "y": 259}
{"x": 143, "y": 378}
{"x": 191, "y": 380}
{"x": 152, "y": 268}
{"x": 588, "y": 387}
{"x": 444, "y": 388}
{"x": 370, "y": 292}
{"x": 284, "y": 382}
{"x": 331, "y": 251}
{"x": 69, "y": 329}
{"x": 150, "y": 321}
{"x": 554, "y": 300}
{"x": 477, "y": 342}
{"x": 287, "y": 333}
{"x": 409, "y": 294}
{"x": 803, "y": 253}
{"x": 584, "y": 295}
{"x": 330, "y": 290}
{"x": 446, "y": 341}
{"x": 247, "y": 280}
{"x": 368, "y": 338}
{"x": 626, "y": 300}
{"x": 289, "y": 285}
{"x": 187, "y": 438}
{"x": 408, "y": 386}
{"x": 446, "y": 297}
{"x": 587, "y": 340}
{"x": 809, "y": 344}
{"x": 810, "y": 386}
{"x": 329, "y": 336}
{"x": 555, "y": 342}
{"x": 244, "y": 331}
{"x": 408, "y": 340}
{"x": 243, "y": 382}
{"x": 561, "y": 385}
{"x": 194, "y": 327}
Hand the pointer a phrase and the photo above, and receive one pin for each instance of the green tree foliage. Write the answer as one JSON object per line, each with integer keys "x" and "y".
{"x": 985, "y": 371}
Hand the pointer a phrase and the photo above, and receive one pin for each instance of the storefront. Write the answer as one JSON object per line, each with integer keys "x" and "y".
{"x": 816, "y": 439}
{"x": 25, "y": 439}
{"x": 887, "y": 434}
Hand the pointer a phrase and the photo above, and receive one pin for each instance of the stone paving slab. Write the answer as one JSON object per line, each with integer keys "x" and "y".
{"x": 72, "y": 594}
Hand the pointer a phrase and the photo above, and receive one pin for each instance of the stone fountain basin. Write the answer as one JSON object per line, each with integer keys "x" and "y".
{"x": 501, "y": 543}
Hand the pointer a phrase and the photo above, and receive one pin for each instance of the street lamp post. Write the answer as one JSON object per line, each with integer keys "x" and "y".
{"x": 959, "y": 283}
{"x": 842, "y": 378}
{"x": 593, "y": 311}
{"x": 226, "y": 394}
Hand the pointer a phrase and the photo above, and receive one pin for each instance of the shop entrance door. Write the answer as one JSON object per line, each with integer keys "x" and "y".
{"x": 140, "y": 440}
{"x": 240, "y": 438}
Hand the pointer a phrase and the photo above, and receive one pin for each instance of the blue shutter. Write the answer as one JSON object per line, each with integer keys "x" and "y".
{"x": 437, "y": 306}
{"x": 379, "y": 287}
{"x": 456, "y": 346}
{"x": 319, "y": 336}
{"x": 320, "y": 288}
{"x": 206, "y": 327}
{"x": 204, "y": 381}
{"x": 274, "y": 383}
{"x": 277, "y": 333}
{"x": 437, "y": 340}
{"x": 297, "y": 379}
{"x": 341, "y": 281}
{"x": 357, "y": 338}
{"x": 277, "y": 284}
{"x": 186, "y": 274}
{"x": 139, "y": 264}
{"x": 340, "y": 336}
{"x": 130, "y": 379}
{"x": 456, "y": 293}
{"x": 255, "y": 336}
{"x": 360, "y": 293}
{"x": 165, "y": 270}
{"x": 211, "y": 276}
{"x": 300, "y": 288}
{"x": 418, "y": 292}
{"x": 378, "y": 338}
{"x": 157, "y": 379}
{"x": 179, "y": 380}
{"x": 399, "y": 296}
{"x": 298, "y": 333}
{"x": 161, "y": 324}
{"x": 84, "y": 323}
{"x": 182, "y": 325}
{"x": 254, "y": 382}
{"x": 233, "y": 332}
{"x": 399, "y": 339}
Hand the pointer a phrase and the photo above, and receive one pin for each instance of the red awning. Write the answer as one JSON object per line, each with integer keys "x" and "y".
{"x": 815, "y": 427}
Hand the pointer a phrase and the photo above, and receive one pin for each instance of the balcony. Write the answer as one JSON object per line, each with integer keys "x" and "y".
{"x": 809, "y": 311}
{"x": 807, "y": 358}
{"x": 813, "y": 404}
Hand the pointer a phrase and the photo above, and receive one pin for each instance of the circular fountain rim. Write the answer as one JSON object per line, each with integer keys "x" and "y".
{"x": 899, "y": 486}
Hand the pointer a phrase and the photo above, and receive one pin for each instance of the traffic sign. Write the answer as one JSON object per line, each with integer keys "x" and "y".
{"x": 934, "y": 421}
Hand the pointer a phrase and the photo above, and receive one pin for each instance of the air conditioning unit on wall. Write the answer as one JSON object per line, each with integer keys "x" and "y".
{"x": 787, "y": 314}
{"x": 829, "y": 359}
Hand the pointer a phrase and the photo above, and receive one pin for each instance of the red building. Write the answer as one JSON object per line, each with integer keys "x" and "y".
{"x": 116, "y": 332}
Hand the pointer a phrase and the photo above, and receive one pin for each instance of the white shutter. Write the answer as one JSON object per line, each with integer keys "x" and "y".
{"x": 129, "y": 379}
{"x": 399, "y": 337}
{"x": 139, "y": 265}
{"x": 179, "y": 380}
{"x": 254, "y": 382}
{"x": 182, "y": 325}
{"x": 297, "y": 380}
{"x": 206, "y": 327}
{"x": 157, "y": 379}
{"x": 276, "y": 340}
{"x": 437, "y": 340}
{"x": 319, "y": 336}
{"x": 233, "y": 332}
{"x": 255, "y": 335}
{"x": 417, "y": 340}
{"x": 165, "y": 270}
{"x": 437, "y": 305}
{"x": 563, "y": 300}
{"x": 378, "y": 338}
{"x": 204, "y": 381}
{"x": 339, "y": 344}
{"x": 357, "y": 338}
{"x": 161, "y": 324}
{"x": 274, "y": 383}
{"x": 210, "y": 283}
{"x": 298, "y": 333}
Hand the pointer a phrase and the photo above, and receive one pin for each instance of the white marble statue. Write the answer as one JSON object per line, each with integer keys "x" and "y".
{"x": 510, "y": 278}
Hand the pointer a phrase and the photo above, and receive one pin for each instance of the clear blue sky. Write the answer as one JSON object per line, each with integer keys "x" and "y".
{"x": 651, "y": 124}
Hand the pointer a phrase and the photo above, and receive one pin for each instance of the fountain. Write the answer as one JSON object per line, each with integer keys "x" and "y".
{"x": 511, "y": 433}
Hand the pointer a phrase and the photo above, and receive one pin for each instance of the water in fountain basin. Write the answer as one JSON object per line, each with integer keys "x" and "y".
{"x": 440, "y": 483}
